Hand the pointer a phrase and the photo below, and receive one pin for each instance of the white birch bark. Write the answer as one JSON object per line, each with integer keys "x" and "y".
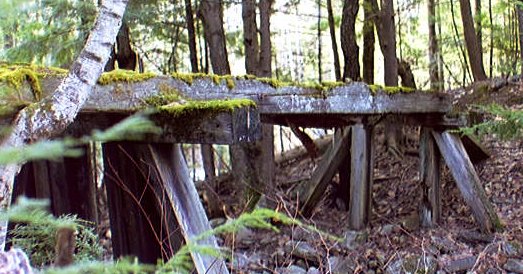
{"x": 54, "y": 113}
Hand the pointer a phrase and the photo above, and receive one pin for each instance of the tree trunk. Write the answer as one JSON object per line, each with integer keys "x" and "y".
{"x": 388, "y": 42}
{"x": 250, "y": 36}
{"x": 253, "y": 163}
{"x": 520, "y": 28}
{"x": 479, "y": 26}
{"x": 319, "y": 57}
{"x": 125, "y": 55}
{"x": 348, "y": 40}
{"x": 212, "y": 15}
{"x": 332, "y": 29}
{"x": 435, "y": 81}
{"x": 53, "y": 114}
{"x": 473, "y": 47}
{"x": 368, "y": 43}
{"x": 193, "y": 53}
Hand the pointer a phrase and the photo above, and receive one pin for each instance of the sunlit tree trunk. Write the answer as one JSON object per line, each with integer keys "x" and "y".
{"x": 471, "y": 39}
{"x": 53, "y": 114}
{"x": 193, "y": 53}
{"x": 520, "y": 28}
{"x": 212, "y": 15}
{"x": 334, "y": 43}
{"x": 435, "y": 81}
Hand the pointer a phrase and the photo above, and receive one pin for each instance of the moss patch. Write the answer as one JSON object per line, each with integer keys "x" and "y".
{"x": 121, "y": 75}
{"x": 217, "y": 79}
{"x": 204, "y": 108}
{"x": 17, "y": 76}
{"x": 390, "y": 90}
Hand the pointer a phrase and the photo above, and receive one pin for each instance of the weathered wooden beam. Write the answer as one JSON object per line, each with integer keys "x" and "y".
{"x": 430, "y": 208}
{"x": 355, "y": 97}
{"x": 239, "y": 125}
{"x": 467, "y": 180}
{"x": 184, "y": 200}
{"x": 311, "y": 191}
{"x": 361, "y": 176}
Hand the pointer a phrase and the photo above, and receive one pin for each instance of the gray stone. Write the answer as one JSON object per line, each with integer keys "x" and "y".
{"x": 413, "y": 264}
{"x": 444, "y": 245}
{"x": 462, "y": 264}
{"x": 353, "y": 239}
{"x": 302, "y": 250}
{"x": 313, "y": 270}
{"x": 387, "y": 229}
{"x": 511, "y": 249}
{"x": 341, "y": 265}
{"x": 245, "y": 236}
{"x": 217, "y": 222}
{"x": 291, "y": 269}
{"x": 514, "y": 265}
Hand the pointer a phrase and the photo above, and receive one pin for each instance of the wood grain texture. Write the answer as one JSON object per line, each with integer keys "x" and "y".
{"x": 467, "y": 180}
{"x": 430, "y": 208}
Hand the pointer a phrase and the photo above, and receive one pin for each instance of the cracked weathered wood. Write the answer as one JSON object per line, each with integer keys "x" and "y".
{"x": 430, "y": 208}
{"x": 311, "y": 191}
{"x": 467, "y": 180}
{"x": 351, "y": 98}
{"x": 361, "y": 173}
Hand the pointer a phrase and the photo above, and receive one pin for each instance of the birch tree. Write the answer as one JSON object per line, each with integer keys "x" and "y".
{"x": 53, "y": 114}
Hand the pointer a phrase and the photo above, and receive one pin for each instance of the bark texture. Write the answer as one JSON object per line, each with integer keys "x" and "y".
{"x": 348, "y": 40}
{"x": 193, "y": 53}
{"x": 369, "y": 41}
{"x": 471, "y": 40}
{"x": 332, "y": 30}
{"x": 435, "y": 81}
{"x": 54, "y": 113}
{"x": 212, "y": 15}
{"x": 520, "y": 28}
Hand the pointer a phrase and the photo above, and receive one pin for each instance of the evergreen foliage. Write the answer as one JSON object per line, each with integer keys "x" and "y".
{"x": 503, "y": 122}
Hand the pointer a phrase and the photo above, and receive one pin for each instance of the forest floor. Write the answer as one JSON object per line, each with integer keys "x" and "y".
{"x": 394, "y": 241}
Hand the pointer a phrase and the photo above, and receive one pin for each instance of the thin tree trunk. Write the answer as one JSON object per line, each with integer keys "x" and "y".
{"x": 33, "y": 123}
{"x": 479, "y": 26}
{"x": 491, "y": 22}
{"x": 348, "y": 40}
{"x": 193, "y": 53}
{"x": 212, "y": 15}
{"x": 265, "y": 66}
{"x": 520, "y": 28}
{"x": 441, "y": 64}
{"x": 320, "y": 72}
{"x": 368, "y": 43}
{"x": 435, "y": 81}
{"x": 457, "y": 36}
{"x": 332, "y": 29}
{"x": 473, "y": 47}
{"x": 250, "y": 36}
{"x": 388, "y": 43}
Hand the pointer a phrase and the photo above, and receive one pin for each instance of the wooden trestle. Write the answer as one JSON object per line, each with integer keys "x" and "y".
{"x": 153, "y": 204}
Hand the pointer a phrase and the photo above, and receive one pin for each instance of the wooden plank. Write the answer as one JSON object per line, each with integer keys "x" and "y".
{"x": 430, "y": 208}
{"x": 354, "y": 97}
{"x": 311, "y": 191}
{"x": 240, "y": 125}
{"x": 184, "y": 200}
{"x": 477, "y": 152}
{"x": 361, "y": 174}
{"x": 143, "y": 223}
{"x": 468, "y": 182}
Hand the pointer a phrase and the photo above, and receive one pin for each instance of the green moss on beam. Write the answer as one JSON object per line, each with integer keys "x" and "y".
{"x": 390, "y": 90}
{"x": 16, "y": 76}
{"x": 121, "y": 75}
{"x": 177, "y": 109}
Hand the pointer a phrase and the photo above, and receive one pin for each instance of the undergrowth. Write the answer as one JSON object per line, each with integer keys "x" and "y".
{"x": 504, "y": 123}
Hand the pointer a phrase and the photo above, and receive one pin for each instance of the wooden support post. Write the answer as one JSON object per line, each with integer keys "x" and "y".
{"x": 311, "y": 191}
{"x": 184, "y": 200}
{"x": 467, "y": 180}
{"x": 362, "y": 164}
{"x": 143, "y": 224}
{"x": 343, "y": 192}
{"x": 430, "y": 208}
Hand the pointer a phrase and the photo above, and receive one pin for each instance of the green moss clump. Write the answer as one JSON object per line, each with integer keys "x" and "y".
{"x": 275, "y": 83}
{"x": 15, "y": 77}
{"x": 200, "y": 108}
{"x": 121, "y": 75}
{"x": 167, "y": 95}
{"x": 390, "y": 90}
